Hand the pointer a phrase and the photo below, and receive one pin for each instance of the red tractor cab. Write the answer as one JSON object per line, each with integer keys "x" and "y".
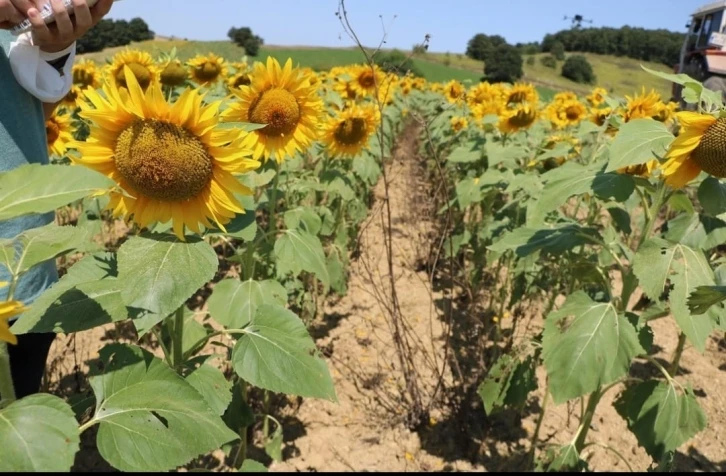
{"x": 703, "y": 55}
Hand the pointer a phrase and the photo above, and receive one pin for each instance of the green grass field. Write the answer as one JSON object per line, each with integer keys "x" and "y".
{"x": 618, "y": 75}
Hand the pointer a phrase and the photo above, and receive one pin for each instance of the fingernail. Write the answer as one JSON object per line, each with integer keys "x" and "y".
{"x": 33, "y": 13}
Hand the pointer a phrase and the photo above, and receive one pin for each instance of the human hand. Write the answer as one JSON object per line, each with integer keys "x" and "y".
{"x": 13, "y": 12}
{"x": 60, "y": 35}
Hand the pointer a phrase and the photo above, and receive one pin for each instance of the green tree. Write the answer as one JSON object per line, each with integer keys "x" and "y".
{"x": 481, "y": 46}
{"x": 110, "y": 33}
{"x": 549, "y": 61}
{"x": 504, "y": 65}
{"x": 245, "y": 38}
{"x": 578, "y": 69}
{"x": 397, "y": 62}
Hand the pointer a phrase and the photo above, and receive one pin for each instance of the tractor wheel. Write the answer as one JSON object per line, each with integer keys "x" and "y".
{"x": 716, "y": 83}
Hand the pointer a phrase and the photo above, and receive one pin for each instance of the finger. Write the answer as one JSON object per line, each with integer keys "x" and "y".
{"x": 100, "y": 10}
{"x": 40, "y": 30}
{"x": 10, "y": 14}
{"x": 22, "y": 6}
{"x": 62, "y": 19}
{"x": 82, "y": 16}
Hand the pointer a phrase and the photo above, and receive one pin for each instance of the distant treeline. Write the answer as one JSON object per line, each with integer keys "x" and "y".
{"x": 110, "y": 33}
{"x": 661, "y": 46}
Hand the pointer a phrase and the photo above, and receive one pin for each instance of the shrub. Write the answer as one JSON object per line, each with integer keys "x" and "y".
{"x": 504, "y": 65}
{"x": 251, "y": 46}
{"x": 420, "y": 49}
{"x": 530, "y": 60}
{"x": 558, "y": 50}
{"x": 578, "y": 69}
{"x": 397, "y": 62}
{"x": 548, "y": 61}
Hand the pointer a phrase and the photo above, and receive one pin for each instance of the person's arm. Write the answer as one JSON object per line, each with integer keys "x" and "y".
{"x": 49, "y": 108}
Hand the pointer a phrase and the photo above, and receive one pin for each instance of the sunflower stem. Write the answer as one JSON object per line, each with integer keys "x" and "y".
{"x": 272, "y": 206}
{"x": 177, "y": 338}
{"x": 242, "y": 448}
{"x": 7, "y": 390}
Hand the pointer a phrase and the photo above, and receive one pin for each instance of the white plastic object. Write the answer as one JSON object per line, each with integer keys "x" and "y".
{"x": 47, "y": 13}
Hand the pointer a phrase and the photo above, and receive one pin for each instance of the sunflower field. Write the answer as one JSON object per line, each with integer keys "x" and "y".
{"x": 239, "y": 191}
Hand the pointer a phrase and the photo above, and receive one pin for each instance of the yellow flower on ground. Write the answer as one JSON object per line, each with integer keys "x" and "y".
{"x": 174, "y": 74}
{"x": 8, "y": 310}
{"x": 522, "y": 93}
{"x": 365, "y": 79}
{"x": 642, "y": 106}
{"x": 283, "y": 100}
{"x": 207, "y": 70}
{"x": 519, "y": 118}
{"x": 597, "y": 97}
{"x": 700, "y": 145}
{"x": 348, "y": 133}
{"x": 58, "y": 133}
{"x": 141, "y": 65}
{"x": 86, "y": 74}
{"x": 170, "y": 161}
{"x": 459, "y": 123}
{"x": 454, "y": 92}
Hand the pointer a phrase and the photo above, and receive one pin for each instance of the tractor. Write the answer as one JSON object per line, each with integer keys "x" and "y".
{"x": 703, "y": 55}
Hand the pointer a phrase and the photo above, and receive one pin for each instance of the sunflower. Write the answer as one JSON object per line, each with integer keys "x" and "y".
{"x": 8, "y": 310}
{"x": 599, "y": 116}
{"x": 640, "y": 170}
{"x": 700, "y": 146}
{"x": 86, "y": 74}
{"x": 73, "y": 97}
{"x": 665, "y": 112}
{"x": 240, "y": 66}
{"x": 521, "y": 117}
{"x": 174, "y": 74}
{"x": 454, "y": 91}
{"x": 207, "y": 70}
{"x": 564, "y": 96}
{"x": 141, "y": 65}
{"x": 642, "y": 106}
{"x": 170, "y": 161}
{"x": 283, "y": 100}
{"x": 522, "y": 93}
{"x": 59, "y": 133}
{"x": 365, "y": 79}
{"x": 597, "y": 97}
{"x": 566, "y": 113}
{"x": 485, "y": 93}
{"x": 238, "y": 80}
{"x": 347, "y": 133}
{"x": 459, "y": 123}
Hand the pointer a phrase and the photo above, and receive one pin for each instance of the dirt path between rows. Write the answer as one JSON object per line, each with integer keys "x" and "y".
{"x": 367, "y": 429}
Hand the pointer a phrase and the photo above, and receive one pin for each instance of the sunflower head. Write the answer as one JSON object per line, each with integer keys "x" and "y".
{"x": 283, "y": 100}
{"x": 700, "y": 145}
{"x": 9, "y": 310}
{"x": 365, "y": 79}
{"x": 209, "y": 69}
{"x": 597, "y": 97}
{"x": 59, "y": 133}
{"x": 73, "y": 97}
{"x": 238, "y": 80}
{"x": 641, "y": 106}
{"x": 459, "y": 123}
{"x": 174, "y": 74}
{"x": 454, "y": 91}
{"x": 521, "y": 117}
{"x": 86, "y": 74}
{"x": 599, "y": 116}
{"x": 348, "y": 133}
{"x": 566, "y": 113}
{"x": 170, "y": 161}
{"x": 522, "y": 93}
{"x": 140, "y": 63}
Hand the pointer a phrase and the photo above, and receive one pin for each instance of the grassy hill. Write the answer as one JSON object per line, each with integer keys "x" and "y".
{"x": 619, "y": 75}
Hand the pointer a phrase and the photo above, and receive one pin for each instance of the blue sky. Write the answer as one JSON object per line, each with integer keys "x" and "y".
{"x": 449, "y": 22}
